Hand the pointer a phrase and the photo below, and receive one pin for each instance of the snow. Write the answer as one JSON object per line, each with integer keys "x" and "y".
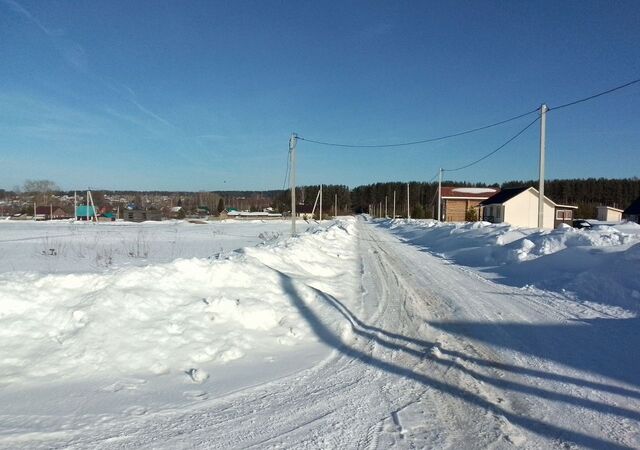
{"x": 72, "y": 247}
{"x": 591, "y": 265}
{"x": 472, "y": 190}
{"x": 145, "y": 320}
{"x": 354, "y": 334}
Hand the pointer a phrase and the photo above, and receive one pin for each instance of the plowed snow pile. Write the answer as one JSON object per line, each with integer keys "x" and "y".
{"x": 598, "y": 265}
{"x": 186, "y": 318}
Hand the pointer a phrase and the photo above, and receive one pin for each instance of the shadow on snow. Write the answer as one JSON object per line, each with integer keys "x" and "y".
{"x": 579, "y": 336}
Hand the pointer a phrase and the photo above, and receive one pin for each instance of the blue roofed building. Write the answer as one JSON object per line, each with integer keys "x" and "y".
{"x": 82, "y": 211}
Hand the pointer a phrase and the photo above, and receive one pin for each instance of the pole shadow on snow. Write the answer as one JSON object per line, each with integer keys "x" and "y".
{"x": 605, "y": 347}
{"x": 420, "y": 349}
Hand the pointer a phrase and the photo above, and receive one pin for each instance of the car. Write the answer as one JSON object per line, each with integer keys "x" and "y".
{"x": 581, "y": 223}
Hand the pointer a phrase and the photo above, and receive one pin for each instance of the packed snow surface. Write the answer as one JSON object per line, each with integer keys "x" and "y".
{"x": 353, "y": 334}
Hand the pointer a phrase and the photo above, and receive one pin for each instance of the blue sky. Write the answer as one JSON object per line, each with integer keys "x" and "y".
{"x": 203, "y": 95}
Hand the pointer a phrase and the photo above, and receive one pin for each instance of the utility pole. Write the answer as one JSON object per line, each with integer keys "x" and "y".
{"x": 439, "y": 194}
{"x": 543, "y": 130}
{"x": 293, "y": 140}
{"x": 75, "y": 206}
{"x": 394, "y": 204}
{"x": 87, "y": 211}
{"x": 386, "y": 212}
{"x": 408, "y": 210}
{"x": 336, "y": 205}
{"x": 320, "y": 203}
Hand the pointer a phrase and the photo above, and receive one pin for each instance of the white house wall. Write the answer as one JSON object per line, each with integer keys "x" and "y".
{"x": 522, "y": 211}
{"x": 607, "y": 214}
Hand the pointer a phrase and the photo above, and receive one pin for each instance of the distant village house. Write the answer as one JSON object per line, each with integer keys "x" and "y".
{"x": 50, "y": 213}
{"x": 84, "y": 212}
{"x": 141, "y": 215}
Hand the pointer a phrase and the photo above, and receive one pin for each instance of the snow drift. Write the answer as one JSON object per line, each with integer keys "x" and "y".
{"x": 173, "y": 318}
{"x": 592, "y": 265}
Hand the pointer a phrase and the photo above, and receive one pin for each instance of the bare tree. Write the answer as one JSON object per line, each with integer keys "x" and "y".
{"x": 41, "y": 189}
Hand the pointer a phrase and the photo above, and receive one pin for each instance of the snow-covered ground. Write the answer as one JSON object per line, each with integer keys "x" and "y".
{"x": 597, "y": 266}
{"x": 355, "y": 334}
{"x": 72, "y": 247}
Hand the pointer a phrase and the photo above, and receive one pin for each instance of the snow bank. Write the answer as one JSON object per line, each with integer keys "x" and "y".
{"x": 598, "y": 264}
{"x": 176, "y": 317}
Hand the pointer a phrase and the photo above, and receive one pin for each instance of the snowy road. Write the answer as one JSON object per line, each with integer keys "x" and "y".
{"x": 432, "y": 356}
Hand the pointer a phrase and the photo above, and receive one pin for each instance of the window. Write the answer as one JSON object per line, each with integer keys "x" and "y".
{"x": 564, "y": 214}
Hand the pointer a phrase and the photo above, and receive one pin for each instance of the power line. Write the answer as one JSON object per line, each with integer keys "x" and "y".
{"x": 494, "y": 151}
{"x": 591, "y": 97}
{"x": 422, "y": 141}
{"x": 286, "y": 174}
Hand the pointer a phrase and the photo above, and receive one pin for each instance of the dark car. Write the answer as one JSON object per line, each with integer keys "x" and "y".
{"x": 581, "y": 223}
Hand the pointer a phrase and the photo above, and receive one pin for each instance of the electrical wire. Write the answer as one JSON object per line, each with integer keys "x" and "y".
{"x": 286, "y": 174}
{"x": 591, "y": 97}
{"x": 514, "y": 137}
{"x": 422, "y": 141}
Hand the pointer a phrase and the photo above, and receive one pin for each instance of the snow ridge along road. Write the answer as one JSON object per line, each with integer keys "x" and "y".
{"x": 423, "y": 354}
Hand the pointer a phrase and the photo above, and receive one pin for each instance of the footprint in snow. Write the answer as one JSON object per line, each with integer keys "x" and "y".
{"x": 135, "y": 411}
{"x": 197, "y": 375}
{"x": 200, "y": 395}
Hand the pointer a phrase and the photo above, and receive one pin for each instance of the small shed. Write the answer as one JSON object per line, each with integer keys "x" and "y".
{"x": 564, "y": 214}
{"x": 632, "y": 212}
{"x": 609, "y": 214}
{"x": 177, "y": 212}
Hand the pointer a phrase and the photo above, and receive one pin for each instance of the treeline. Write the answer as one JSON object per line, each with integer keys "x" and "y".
{"x": 306, "y": 195}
